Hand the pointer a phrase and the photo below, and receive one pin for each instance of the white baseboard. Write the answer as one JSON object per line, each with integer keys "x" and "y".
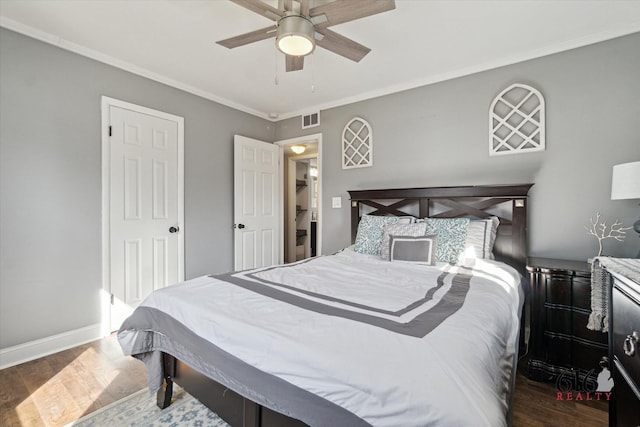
{"x": 26, "y": 352}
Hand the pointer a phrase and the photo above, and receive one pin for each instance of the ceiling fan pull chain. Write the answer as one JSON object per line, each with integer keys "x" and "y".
{"x": 277, "y": 79}
{"x": 313, "y": 73}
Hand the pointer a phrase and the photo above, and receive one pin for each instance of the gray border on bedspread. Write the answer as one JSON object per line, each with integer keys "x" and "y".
{"x": 156, "y": 331}
{"x": 428, "y": 296}
{"x": 421, "y": 325}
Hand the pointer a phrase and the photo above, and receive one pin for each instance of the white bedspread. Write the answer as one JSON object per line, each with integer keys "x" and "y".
{"x": 455, "y": 375}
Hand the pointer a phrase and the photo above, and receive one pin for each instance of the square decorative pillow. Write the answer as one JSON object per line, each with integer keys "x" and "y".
{"x": 415, "y": 249}
{"x": 399, "y": 230}
{"x": 481, "y": 235}
{"x": 369, "y": 235}
{"x": 452, "y": 237}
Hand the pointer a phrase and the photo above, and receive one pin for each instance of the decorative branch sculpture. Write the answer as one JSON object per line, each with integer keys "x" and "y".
{"x": 599, "y": 230}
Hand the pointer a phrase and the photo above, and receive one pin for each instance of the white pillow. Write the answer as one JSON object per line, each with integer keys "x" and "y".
{"x": 481, "y": 235}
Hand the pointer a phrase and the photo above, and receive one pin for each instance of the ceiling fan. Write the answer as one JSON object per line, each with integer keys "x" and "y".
{"x": 300, "y": 28}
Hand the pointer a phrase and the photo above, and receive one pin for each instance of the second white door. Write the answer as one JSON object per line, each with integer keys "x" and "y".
{"x": 256, "y": 203}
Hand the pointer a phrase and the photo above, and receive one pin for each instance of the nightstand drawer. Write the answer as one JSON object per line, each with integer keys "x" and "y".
{"x": 626, "y": 328}
{"x": 573, "y": 322}
{"x": 558, "y": 320}
{"x": 582, "y": 293}
{"x": 570, "y": 352}
{"x": 572, "y": 291}
{"x": 580, "y": 330}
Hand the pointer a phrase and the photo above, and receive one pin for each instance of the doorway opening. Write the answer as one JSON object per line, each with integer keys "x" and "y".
{"x": 302, "y": 198}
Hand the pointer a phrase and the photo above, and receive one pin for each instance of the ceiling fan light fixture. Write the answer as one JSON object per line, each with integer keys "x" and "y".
{"x": 295, "y": 36}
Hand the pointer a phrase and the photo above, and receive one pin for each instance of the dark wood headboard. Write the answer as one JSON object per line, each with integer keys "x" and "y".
{"x": 476, "y": 201}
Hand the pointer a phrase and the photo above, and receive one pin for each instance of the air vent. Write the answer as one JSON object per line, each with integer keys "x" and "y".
{"x": 311, "y": 120}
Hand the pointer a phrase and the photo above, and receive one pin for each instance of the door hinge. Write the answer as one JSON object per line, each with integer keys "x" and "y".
{"x": 110, "y": 131}
{"x": 113, "y": 299}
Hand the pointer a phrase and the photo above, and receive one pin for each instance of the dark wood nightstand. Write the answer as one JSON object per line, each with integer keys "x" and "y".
{"x": 560, "y": 343}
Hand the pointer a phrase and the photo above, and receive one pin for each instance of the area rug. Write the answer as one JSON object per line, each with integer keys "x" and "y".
{"x": 140, "y": 410}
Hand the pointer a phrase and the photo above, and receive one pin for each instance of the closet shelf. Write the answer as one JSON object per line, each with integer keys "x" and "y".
{"x": 300, "y": 184}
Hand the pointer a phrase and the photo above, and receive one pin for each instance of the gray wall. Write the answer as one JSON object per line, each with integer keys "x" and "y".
{"x": 50, "y": 205}
{"x": 50, "y": 182}
{"x": 438, "y": 135}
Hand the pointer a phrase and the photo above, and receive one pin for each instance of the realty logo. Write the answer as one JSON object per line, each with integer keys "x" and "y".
{"x": 605, "y": 382}
{"x": 590, "y": 387}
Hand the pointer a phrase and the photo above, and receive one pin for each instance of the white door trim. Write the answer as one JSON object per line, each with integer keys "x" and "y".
{"x": 314, "y": 138}
{"x": 106, "y": 103}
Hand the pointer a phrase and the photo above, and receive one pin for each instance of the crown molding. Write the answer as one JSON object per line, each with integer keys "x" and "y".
{"x": 123, "y": 65}
{"x": 477, "y": 68}
{"x": 631, "y": 28}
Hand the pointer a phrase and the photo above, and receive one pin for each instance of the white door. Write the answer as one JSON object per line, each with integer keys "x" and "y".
{"x": 145, "y": 205}
{"x": 256, "y": 203}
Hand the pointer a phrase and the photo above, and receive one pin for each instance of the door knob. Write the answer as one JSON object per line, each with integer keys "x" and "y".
{"x": 241, "y": 226}
{"x": 174, "y": 229}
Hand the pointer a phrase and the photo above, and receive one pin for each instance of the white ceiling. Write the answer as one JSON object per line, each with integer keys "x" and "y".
{"x": 420, "y": 42}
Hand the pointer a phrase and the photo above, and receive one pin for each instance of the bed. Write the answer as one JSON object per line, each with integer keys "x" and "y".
{"x": 353, "y": 339}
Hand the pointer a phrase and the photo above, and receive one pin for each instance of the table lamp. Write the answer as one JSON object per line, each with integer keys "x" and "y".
{"x": 625, "y": 184}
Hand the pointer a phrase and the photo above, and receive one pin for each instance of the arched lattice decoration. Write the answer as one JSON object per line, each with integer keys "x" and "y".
{"x": 516, "y": 121}
{"x": 357, "y": 144}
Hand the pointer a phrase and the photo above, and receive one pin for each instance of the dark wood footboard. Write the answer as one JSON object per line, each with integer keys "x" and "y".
{"x": 235, "y": 409}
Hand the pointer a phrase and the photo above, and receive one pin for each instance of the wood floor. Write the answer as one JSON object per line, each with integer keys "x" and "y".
{"x": 536, "y": 406}
{"x": 55, "y": 390}
{"x": 58, "y": 389}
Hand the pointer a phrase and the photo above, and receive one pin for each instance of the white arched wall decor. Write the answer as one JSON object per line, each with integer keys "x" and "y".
{"x": 516, "y": 121}
{"x": 357, "y": 144}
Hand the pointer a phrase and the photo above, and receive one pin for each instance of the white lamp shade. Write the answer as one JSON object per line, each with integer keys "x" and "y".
{"x": 625, "y": 183}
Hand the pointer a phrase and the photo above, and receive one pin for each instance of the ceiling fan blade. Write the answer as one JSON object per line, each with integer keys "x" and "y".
{"x": 318, "y": 19}
{"x": 341, "y": 11}
{"x": 261, "y": 8}
{"x": 294, "y": 63}
{"x": 253, "y": 36}
{"x": 342, "y": 45}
